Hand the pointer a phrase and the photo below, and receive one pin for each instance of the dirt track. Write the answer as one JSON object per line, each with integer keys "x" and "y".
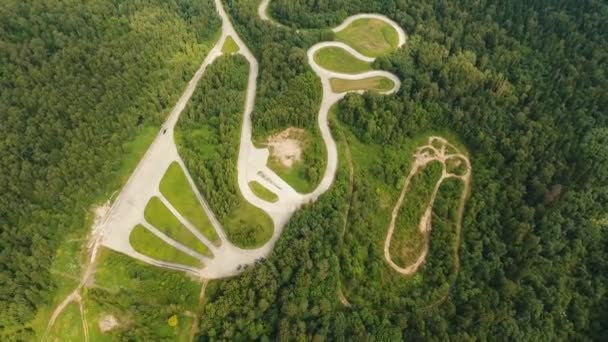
{"x": 421, "y": 159}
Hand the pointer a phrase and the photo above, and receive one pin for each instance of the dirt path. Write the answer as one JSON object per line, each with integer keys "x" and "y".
{"x": 423, "y": 156}
{"x": 86, "y": 279}
{"x": 83, "y": 318}
{"x": 342, "y": 298}
{"x": 201, "y": 301}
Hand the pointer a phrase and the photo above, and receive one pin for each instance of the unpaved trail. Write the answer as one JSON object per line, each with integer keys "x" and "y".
{"x": 342, "y": 298}
{"x": 94, "y": 241}
{"x": 201, "y": 301}
{"x": 421, "y": 159}
{"x": 83, "y": 318}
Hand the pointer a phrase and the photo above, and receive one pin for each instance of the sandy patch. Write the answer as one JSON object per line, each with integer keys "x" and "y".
{"x": 107, "y": 322}
{"x": 286, "y": 146}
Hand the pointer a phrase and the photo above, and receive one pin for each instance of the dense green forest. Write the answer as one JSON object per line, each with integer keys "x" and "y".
{"x": 79, "y": 81}
{"x": 522, "y": 86}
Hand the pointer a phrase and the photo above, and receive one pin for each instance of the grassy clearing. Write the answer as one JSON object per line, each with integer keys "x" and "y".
{"x": 294, "y": 175}
{"x": 376, "y": 83}
{"x": 159, "y": 216}
{"x": 68, "y": 326}
{"x": 407, "y": 242}
{"x": 262, "y": 192}
{"x": 305, "y": 174}
{"x": 340, "y": 60}
{"x": 371, "y": 37}
{"x": 175, "y": 187}
{"x": 69, "y": 257}
{"x": 248, "y": 226}
{"x": 146, "y": 243}
{"x": 379, "y": 172}
{"x": 142, "y": 298}
{"x": 230, "y": 46}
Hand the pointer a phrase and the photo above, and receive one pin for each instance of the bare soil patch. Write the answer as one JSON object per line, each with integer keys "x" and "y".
{"x": 286, "y": 147}
{"x": 108, "y": 322}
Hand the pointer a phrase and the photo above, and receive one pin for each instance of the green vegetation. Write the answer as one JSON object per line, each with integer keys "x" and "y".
{"x": 230, "y": 46}
{"x": 407, "y": 240}
{"x": 146, "y": 243}
{"x": 262, "y": 192}
{"x": 532, "y": 255}
{"x": 248, "y": 226}
{"x": 340, "y": 60}
{"x": 305, "y": 174}
{"x": 295, "y": 176}
{"x": 142, "y": 298}
{"x": 176, "y": 189}
{"x": 84, "y": 87}
{"x": 208, "y": 137}
{"x": 158, "y": 215}
{"x": 371, "y": 37}
{"x": 376, "y": 83}
{"x": 68, "y": 326}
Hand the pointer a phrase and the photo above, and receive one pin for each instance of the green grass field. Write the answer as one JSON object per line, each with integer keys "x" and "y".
{"x": 176, "y": 189}
{"x": 340, "y": 60}
{"x": 377, "y": 83}
{"x": 230, "y": 46}
{"x": 371, "y": 37}
{"x": 146, "y": 243}
{"x": 68, "y": 326}
{"x": 294, "y": 175}
{"x": 262, "y": 192}
{"x": 248, "y": 226}
{"x": 159, "y": 216}
{"x": 142, "y": 297}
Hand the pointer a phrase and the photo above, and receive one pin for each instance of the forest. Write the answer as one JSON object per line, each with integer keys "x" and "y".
{"x": 520, "y": 85}
{"x": 79, "y": 82}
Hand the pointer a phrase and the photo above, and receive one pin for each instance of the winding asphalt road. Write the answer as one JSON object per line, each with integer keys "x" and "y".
{"x": 128, "y": 209}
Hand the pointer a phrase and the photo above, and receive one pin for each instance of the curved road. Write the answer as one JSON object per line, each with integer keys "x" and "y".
{"x": 128, "y": 209}
{"x": 143, "y": 184}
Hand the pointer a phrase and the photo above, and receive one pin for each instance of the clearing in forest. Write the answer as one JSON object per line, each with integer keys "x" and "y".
{"x": 107, "y": 322}
{"x": 412, "y": 214}
{"x": 177, "y": 190}
{"x": 370, "y": 36}
{"x": 288, "y": 157}
{"x": 286, "y": 146}
{"x": 376, "y": 83}
{"x": 339, "y": 60}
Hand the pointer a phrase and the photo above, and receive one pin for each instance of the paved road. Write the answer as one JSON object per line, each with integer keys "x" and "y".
{"x": 128, "y": 209}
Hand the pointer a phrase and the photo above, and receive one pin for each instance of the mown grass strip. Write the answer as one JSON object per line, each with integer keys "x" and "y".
{"x": 146, "y": 243}
{"x": 339, "y": 60}
{"x": 376, "y": 83}
{"x": 158, "y": 215}
{"x": 262, "y": 192}
{"x": 176, "y": 189}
